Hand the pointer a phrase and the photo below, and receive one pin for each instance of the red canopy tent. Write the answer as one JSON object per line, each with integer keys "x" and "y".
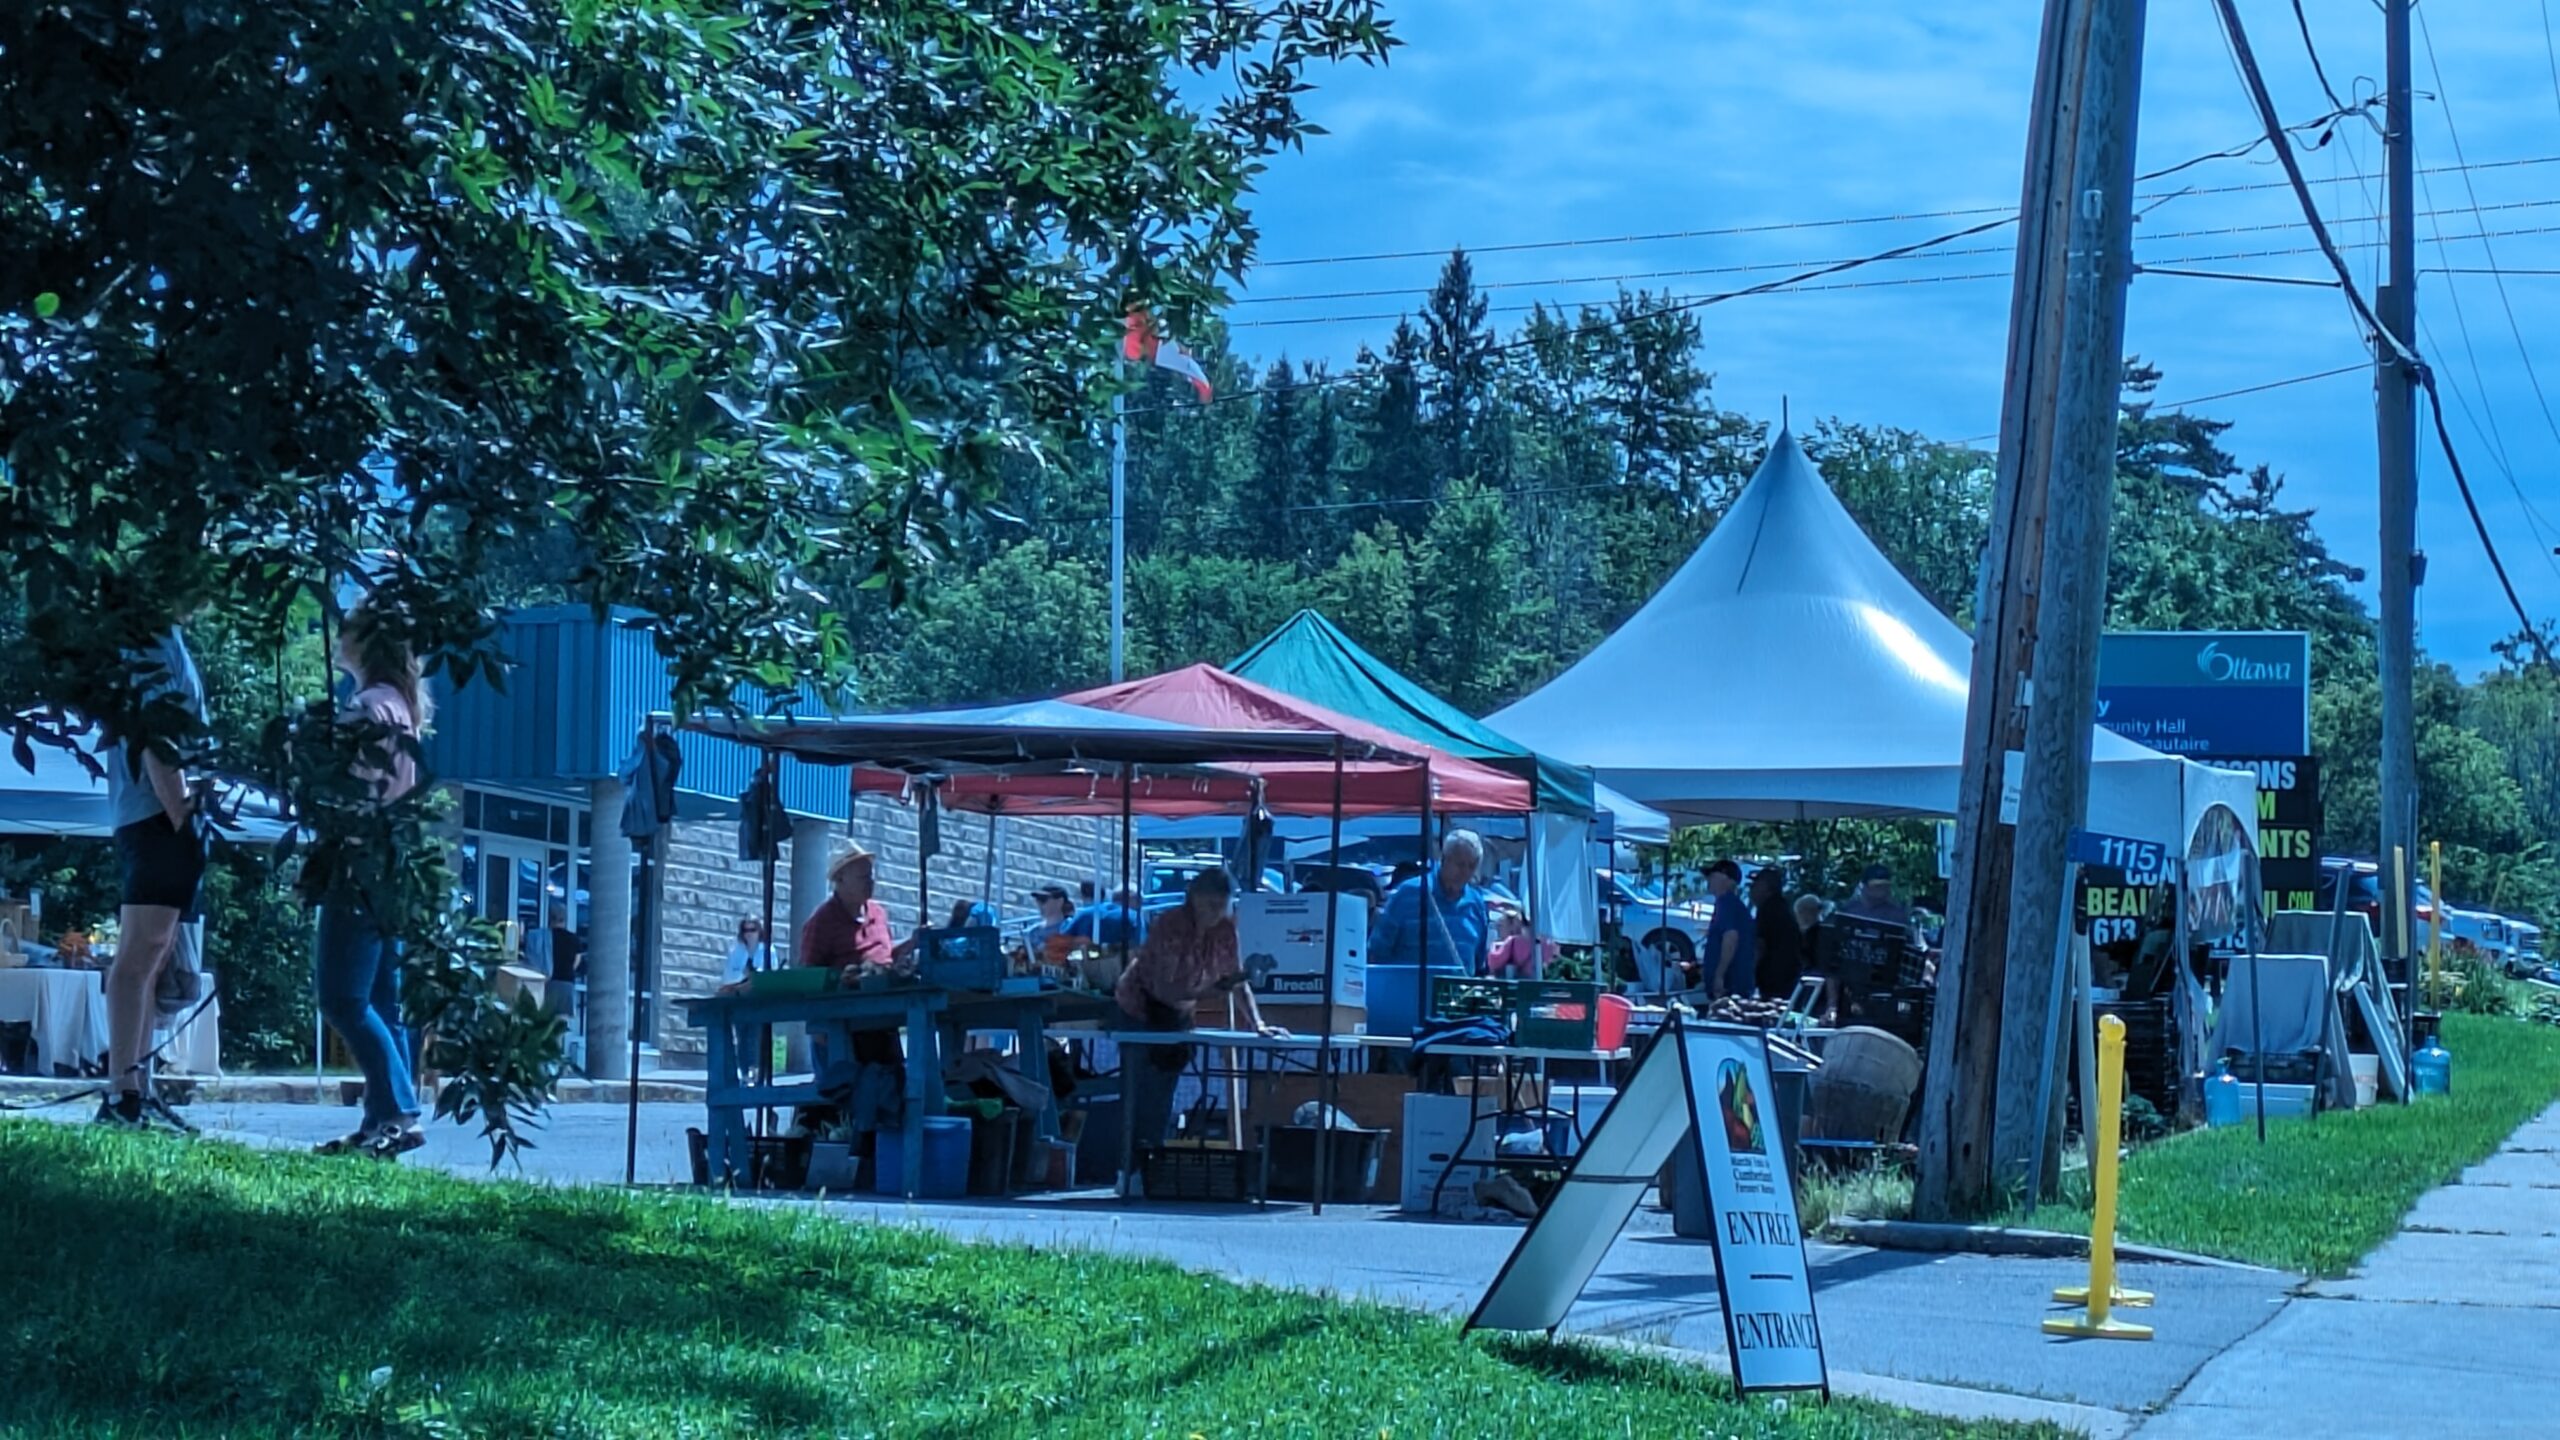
{"x": 1211, "y": 699}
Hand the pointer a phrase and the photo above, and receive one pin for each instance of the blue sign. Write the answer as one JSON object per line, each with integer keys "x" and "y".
{"x": 2143, "y": 862}
{"x": 2208, "y": 693}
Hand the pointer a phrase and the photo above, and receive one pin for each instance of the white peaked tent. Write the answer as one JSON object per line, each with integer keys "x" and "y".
{"x": 1787, "y": 671}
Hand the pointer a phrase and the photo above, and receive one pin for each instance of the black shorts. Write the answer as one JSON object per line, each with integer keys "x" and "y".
{"x": 163, "y": 865}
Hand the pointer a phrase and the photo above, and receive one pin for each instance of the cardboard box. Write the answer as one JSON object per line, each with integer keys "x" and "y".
{"x": 1282, "y": 941}
{"x": 1437, "y": 1129}
{"x": 514, "y": 980}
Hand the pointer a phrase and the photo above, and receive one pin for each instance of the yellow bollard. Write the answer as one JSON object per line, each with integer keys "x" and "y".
{"x": 2101, "y": 1292}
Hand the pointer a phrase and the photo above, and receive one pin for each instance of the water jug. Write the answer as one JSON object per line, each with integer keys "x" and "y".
{"x": 2433, "y": 1067}
{"x": 2222, "y": 1103}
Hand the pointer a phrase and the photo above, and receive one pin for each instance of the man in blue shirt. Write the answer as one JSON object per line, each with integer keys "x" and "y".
{"x": 1728, "y": 960}
{"x": 1453, "y": 935}
{"x": 1112, "y": 926}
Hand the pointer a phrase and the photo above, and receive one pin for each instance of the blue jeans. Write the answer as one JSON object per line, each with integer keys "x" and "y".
{"x": 359, "y": 986}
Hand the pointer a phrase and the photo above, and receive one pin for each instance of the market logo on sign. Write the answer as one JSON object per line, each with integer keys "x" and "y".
{"x": 2219, "y": 667}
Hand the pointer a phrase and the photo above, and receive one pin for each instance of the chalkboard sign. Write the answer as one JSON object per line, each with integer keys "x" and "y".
{"x": 1864, "y": 954}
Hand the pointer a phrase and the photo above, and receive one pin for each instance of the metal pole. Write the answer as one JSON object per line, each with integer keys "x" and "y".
{"x": 648, "y": 939}
{"x": 1119, "y": 530}
{"x": 2395, "y": 389}
{"x": 1422, "y": 958}
{"x": 764, "y": 1033}
{"x": 2258, "y": 1037}
{"x": 1325, "y": 1088}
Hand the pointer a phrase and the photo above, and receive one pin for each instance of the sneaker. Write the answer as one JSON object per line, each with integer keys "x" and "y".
{"x": 392, "y": 1139}
{"x": 123, "y": 1111}
{"x": 161, "y": 1115}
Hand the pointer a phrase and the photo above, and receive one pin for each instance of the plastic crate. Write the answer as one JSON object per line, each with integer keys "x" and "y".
{"x": 1555, "y": 1014}
{"x": 1465, "y": 997}
{"x": 965, "y": 959}
{"x": 1202, "y": 1172}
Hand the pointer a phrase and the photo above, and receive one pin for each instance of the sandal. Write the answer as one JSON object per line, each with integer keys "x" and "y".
{"x": 343, "y": 1145}
{"x": 394, "y": 1139}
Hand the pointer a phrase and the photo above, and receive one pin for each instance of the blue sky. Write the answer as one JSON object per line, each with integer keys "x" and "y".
{"x": 1502, "y": 122}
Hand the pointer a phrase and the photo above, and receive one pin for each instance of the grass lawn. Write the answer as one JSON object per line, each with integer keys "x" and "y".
{"x": 164, "y": 1288}
{"x": 2320, "y": 1194}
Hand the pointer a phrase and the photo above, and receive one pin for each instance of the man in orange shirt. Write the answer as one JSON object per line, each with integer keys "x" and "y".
{"x": 850, "y": 935}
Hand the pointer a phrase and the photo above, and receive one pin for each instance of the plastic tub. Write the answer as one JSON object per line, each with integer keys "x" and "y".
{"x": 945, "y": 1172}
{"x": 2368, "y": 1073}
{"x": 1615, "y": 1012}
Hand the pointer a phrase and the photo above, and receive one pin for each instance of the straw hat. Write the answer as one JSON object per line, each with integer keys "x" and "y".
{"x": 846, "y": 861}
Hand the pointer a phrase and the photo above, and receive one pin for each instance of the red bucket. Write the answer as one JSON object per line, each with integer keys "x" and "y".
{"x": 1610, "y": 1030}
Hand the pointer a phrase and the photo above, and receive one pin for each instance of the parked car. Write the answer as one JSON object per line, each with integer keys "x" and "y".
{"x": 1366, "y": 881}
{"x": 1659, "y": 929}
{"x": 2364, "y": 891}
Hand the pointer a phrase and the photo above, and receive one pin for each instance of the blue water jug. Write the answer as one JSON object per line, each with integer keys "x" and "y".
{"x": 2222, "y": 1103}
{"x": 2433, "y": 1067}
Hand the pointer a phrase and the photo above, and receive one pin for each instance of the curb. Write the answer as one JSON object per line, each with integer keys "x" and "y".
{"x": 1947, "y": 1402}
{"x": 2011, "y": 1240}
{"x": 341, "y": 1090}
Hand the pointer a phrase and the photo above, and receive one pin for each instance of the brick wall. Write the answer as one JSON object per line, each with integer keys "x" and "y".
{"x": 707, "y": 888}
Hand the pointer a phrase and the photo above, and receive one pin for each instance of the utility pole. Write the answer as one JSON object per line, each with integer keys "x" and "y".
{"x": 2053, "y": 798}
{"x": 2395, "y": 409}
{"x": 2075, "y": 204}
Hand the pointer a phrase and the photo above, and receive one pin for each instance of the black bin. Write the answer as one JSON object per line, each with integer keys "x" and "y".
{"x": 991, "y": 1153}
{"x": 1351, "y": 1167}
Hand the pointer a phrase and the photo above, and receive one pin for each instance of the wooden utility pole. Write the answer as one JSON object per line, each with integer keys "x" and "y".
{"x": 2064, "y": 364}
{"x": 2395, "y": 404}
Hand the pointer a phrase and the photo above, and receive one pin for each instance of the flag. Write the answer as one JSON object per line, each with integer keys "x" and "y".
{"x": 1147, "y": 345}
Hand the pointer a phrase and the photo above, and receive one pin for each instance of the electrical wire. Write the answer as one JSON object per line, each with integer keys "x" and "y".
{"x": 1779, "y": 226}
{"x": 1677, "y": 302}
{"x": 1622, "y": 277}
{"x": 2236, "y": 35}
{"x": 2542, "y": 398}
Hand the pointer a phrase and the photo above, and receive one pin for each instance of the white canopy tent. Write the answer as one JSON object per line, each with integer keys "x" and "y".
{"x": 1787, "y": 671}
{"x": 60, "y": 798}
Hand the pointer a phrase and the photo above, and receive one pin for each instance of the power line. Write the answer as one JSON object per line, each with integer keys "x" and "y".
{"x": 2303, "y": 22}
{"x": 2154, "y": 407}
{"x": 2532, "y": 377}
{"x": 1777, "y": 226}
{"x": 2236, "y": 37}
{"x": 1691, "y": 301}
{"x": 1622, "y": 277}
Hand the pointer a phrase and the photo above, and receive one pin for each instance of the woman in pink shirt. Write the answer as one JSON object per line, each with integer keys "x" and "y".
{"x": 359, "y": 964}
{"x": 1518, "y": 955}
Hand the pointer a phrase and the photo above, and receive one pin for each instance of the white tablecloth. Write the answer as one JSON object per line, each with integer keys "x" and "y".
{"x": 197, "y": 1049}
{"x": 68, "y": 1008}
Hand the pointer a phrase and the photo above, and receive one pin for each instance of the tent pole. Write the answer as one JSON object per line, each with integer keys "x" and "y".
{"x": 764, "y": 1035}
{"x": 1325, "y": 1087}
{"x": 1422, "y": 959}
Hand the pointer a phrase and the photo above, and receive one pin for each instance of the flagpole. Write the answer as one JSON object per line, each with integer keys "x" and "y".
{"x": 1119, "y": 525}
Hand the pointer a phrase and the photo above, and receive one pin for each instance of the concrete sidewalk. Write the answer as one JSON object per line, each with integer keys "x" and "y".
{"x": 2452, "y": 1327}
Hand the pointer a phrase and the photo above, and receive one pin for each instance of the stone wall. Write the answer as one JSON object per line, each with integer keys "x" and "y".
{"x": 707, "y": 889}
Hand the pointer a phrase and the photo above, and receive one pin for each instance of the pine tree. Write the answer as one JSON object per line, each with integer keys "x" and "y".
{"x": 1458, "y": 390}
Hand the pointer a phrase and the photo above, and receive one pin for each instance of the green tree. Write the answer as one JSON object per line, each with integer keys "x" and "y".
{"x": 1479, "y": 629}
{"x": 1026, "y": 625}
{"x": 1369, "y": 592}
{"x": 1461, "y": 365}
{"x": 728, "y": 290}
{"x": 1401, "y": 467}
{"x": 1184, "y": 610}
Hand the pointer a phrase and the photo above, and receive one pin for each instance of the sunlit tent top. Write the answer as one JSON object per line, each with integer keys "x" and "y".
{"x": 1787, "y": 671}
{"x": 1311, "y": 658}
